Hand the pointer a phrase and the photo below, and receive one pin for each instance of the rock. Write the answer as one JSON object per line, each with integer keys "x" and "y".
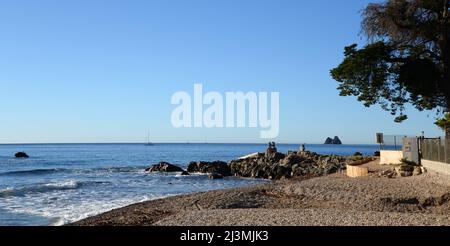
{"x": 276, "y": 157}
{"x": 292, "y": 159}
{"x": 404, "y": 170}
{"x": 219, "y": 167}
{"x": 328, "y": 141}
{"x": 164, "y": 167}
{"x": 250, "y": 156}
{"x": 335, "y": 140}
{"x": 21, "y": 155}
{"x": 423, "y": 169}
{"x": 357, "y": 154}
{"x": 404, "y": 173}
{"x": 215, "y": 176}
{"x": 376, "y": 153}
{"x": 417, "y": 171}
{"x": 388, "y": 173}
{"x": 280, "y": 166}
{"x": 184, "y": 173}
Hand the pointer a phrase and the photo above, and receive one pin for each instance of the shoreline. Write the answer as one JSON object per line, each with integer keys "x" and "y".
{"x": 333, "y": 199}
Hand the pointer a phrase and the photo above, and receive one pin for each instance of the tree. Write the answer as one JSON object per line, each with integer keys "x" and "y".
{"x": 444, "y": 124}
{"x": 406, "y": 60}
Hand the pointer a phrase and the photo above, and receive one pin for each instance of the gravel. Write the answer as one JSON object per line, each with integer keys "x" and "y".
{"x": 301, "y": 217}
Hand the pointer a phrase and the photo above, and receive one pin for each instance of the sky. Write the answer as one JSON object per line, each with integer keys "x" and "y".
{"x": 105, "y": 70}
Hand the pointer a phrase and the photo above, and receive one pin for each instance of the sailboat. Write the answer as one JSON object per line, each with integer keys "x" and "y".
{"x": 148, "y": 141}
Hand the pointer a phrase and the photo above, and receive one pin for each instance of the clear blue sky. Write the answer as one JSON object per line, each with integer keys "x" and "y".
{"x": 104, "y": 71}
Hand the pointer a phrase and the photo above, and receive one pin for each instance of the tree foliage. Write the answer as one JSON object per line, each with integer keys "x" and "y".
{"x": 444, "y": 124}
{"x": 406, "y": 60}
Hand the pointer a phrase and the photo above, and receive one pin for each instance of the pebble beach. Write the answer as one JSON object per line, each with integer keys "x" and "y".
{"x": 330, "y": 200}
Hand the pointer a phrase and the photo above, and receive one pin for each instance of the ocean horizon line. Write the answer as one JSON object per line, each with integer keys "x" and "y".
{"x": 156, "y": 143}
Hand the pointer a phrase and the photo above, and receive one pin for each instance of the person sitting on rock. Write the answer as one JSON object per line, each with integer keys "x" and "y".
{"x": 271, "y": 149}
{"x": 302, "y": 148}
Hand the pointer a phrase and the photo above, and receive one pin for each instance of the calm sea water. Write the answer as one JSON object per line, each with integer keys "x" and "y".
{"x": 62, "y": 183}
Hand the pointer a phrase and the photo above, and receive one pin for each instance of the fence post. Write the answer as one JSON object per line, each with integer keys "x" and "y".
{"x": 439, "y": 149}
{"x": 419, "y": 149}
{"x": 445, "y": 151}
{"x": 432, "y": 150}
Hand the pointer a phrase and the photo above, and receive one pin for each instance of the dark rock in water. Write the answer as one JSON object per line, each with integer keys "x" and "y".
{"x": 329, "y": 141}
{"x": 218, "y": 167}
{"x": 215, "y": 176}
{"x": 21, "y": 155}
{"x": 376, "y": 153}
{"x": 164, "y": 167}
{"x": 280, "y": 166}
{"x": 184, "y": 173}
{"x": 357, "y": 154}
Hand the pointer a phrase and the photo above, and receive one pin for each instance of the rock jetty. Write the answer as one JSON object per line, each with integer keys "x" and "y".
{"x": 279, "y": 165}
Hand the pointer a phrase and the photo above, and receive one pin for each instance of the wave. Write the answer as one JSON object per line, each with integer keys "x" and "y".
{"x": 35, "y": 172}
{"x": 119, "y": 169}
{"x": 48, "y": 187}
{"x": 61, "y": 170}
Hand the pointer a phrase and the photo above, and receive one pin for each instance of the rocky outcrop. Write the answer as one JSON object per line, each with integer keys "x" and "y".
{"x": 164, "y": 167}
{"x": 408, "y": 170}
{"x": 215, "y": 176}
{"x": 357, "y": 154}
{"x": 403, "y": 171}
{"x": 328, "y": 141}
{"x": 216, "y": 167}
{"x": 21, "y": 155}
{"x": 293, "y": 164}
{"x": 335, "y": 140}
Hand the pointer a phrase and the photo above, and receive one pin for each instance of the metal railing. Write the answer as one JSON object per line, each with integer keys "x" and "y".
{"x": 435, "y": 149}
{"x": 392, "y": 142}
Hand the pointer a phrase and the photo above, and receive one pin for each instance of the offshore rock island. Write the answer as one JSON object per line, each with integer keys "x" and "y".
{"x": 335, "y": 140}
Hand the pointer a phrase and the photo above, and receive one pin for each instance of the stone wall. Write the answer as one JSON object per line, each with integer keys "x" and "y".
{"x": 388, "y": 157}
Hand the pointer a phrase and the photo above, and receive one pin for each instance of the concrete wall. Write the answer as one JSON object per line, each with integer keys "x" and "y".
{"x": 439, "y": 167}
{"x": 390, "y": 157}
{"x": 355, "y": 171}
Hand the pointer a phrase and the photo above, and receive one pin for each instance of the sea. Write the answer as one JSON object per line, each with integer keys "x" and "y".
{"x": 62, "y": 183}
